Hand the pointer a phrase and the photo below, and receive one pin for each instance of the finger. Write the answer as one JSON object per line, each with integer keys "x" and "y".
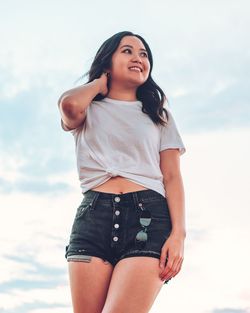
{"x": 176, "y": 264}
{"x": 173, "y": 267}
{"x": 168, "y": 267}
{"x": 174, "y": 270}
{"x": 179, "y": 267}
{"x": 170, "y": 274}
{"x": 163, "y": 260}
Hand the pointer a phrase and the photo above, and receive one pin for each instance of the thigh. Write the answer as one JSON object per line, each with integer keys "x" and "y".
{"x": 134, "y": 285}
{"x": 89, "y": 282}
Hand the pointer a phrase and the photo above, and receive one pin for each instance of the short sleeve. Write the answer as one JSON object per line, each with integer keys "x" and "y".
{"x": 65, "y": 128}
{"x": 170, "y": 136}
{"x": 72, "y": 131}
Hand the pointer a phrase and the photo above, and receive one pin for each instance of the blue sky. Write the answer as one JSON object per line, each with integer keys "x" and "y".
{"x": 202, "y": 62}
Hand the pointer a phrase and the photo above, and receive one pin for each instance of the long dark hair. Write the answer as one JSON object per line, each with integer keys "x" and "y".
{"x": 151, "y": 95}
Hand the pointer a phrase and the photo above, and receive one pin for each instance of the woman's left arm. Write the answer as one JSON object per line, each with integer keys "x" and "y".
{"x": 173, "y": 248}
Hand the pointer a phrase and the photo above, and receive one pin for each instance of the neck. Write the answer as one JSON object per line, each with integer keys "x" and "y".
{"x": 122, "y": 94}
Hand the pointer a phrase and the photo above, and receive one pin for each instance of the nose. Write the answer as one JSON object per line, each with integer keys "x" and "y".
{"x": 139, "y": 62}
{"x": 137, "y": 58}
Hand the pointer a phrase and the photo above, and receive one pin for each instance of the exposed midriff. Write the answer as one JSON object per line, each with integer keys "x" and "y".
{"x": 119, "y": 185}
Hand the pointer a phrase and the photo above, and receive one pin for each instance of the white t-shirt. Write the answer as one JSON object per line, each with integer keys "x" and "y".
{"x": 118, "y": 139}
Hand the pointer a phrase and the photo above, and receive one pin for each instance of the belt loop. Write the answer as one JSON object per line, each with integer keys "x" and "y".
{"x": 136, "y": 200}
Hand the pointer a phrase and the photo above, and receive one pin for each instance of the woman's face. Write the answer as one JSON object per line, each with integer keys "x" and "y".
{"x": 130, "y": 53}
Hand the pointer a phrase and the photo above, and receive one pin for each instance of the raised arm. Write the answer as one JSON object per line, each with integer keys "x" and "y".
{"x": 73, "y": 103}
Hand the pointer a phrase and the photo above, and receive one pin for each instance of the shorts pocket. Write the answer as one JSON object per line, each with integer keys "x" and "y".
{"x": 83, "y": 209}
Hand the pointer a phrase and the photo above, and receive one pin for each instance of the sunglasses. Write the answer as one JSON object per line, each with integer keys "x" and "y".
{"x": 142, "y": 236}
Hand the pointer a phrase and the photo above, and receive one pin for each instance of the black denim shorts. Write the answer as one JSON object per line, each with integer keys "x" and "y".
{"x": 106, "y": 225}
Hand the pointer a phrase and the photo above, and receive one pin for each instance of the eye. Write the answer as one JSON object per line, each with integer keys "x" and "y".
{"x": 126, "y": 50}
{"x": 145, "y": 54}
{"x": 130, "y": 51}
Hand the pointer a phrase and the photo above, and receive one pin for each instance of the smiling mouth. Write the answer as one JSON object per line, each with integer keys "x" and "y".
{"x": 135, "y": 69}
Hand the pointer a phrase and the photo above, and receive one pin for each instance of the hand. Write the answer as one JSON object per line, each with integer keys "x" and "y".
{"x": 103, "y": 83}
{"x": 172, "y": 251}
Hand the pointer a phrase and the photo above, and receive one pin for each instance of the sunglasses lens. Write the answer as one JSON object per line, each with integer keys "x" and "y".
{"x": 141, "y": 236}
{"x": 141, "y": 239}
{"x": 145, "y": 218}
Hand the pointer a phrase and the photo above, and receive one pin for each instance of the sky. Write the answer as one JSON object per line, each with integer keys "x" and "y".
{"x": 201, "y": 53}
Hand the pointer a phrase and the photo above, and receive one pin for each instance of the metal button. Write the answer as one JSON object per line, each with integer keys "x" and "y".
{"x": 116, "y": 225}
{"x": 117, "y": 199}
{"x": 115, "y": 238}
{"x": 117, "y": 212}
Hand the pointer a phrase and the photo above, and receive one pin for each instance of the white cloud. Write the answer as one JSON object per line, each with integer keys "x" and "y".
{"x": 50, "y": 310}
{"x": 9, "y": 167}
{"x": 221, "y": 85}
{"x": 16, "y": 298}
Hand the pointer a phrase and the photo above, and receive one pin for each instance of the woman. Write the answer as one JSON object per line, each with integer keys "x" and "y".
{"x": 127, "y": 238}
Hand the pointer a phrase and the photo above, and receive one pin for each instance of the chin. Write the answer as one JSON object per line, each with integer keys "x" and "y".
{"x": 137, "y": 82}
